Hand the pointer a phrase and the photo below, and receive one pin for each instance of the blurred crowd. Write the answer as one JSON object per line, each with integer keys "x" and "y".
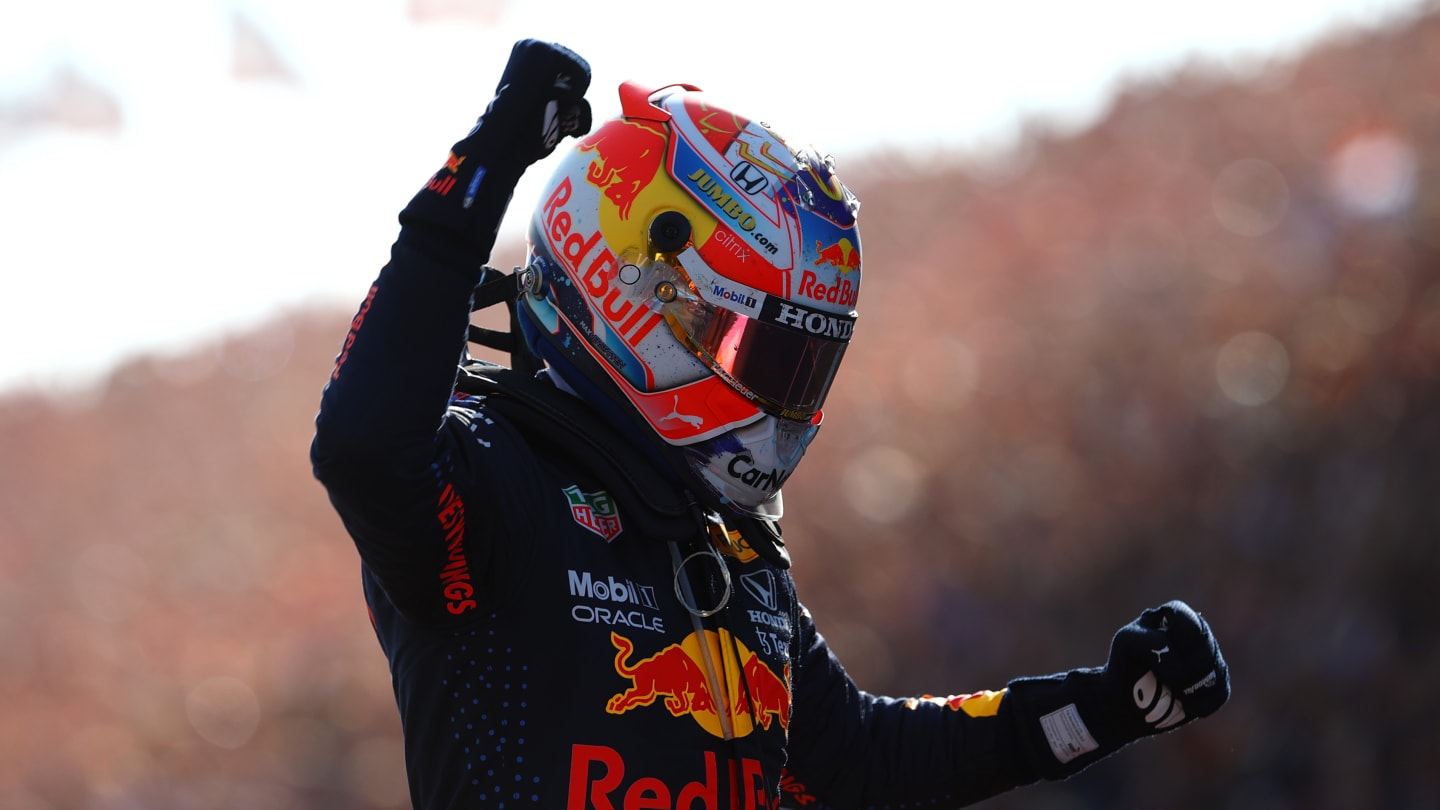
{"x": 1190, "y": 352}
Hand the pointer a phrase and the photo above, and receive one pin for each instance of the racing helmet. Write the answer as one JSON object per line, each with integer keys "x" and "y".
{"x": 699, "y": 274}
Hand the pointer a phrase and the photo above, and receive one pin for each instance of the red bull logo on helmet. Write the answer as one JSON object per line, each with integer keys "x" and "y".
{"x": 843, "y": 255}
{"x": 842, "y": 293}
{"x": 832, "y": 277}
{"x": 628, "y": 155}
{"x": 745, "y": 692}
{"x": 593, "y": 265}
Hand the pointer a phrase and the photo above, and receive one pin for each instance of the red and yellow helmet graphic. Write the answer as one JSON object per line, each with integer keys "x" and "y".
{"x": 754, "y": 242}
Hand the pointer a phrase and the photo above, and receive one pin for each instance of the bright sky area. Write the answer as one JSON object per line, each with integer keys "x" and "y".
{"x": 220, "y": 203}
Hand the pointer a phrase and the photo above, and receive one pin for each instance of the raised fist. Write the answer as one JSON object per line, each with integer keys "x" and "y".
{"x": 1164, "y": 670}
{"x": 1171, "y": 665}
{"x": 539, "y": 101}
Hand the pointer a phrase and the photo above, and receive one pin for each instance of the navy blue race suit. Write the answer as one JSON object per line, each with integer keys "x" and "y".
{"x": 541, "y": 655}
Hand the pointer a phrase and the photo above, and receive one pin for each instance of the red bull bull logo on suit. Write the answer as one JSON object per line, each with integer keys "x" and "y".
{"x": 750, "y": 693}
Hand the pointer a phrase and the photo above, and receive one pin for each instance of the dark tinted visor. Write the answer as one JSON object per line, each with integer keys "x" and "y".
{"x": 787, "y": 370}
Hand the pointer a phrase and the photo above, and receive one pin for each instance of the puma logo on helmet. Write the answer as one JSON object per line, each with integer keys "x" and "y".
{"x": 692, "y": 421}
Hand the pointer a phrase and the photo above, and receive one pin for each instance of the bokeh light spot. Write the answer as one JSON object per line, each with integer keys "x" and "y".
{"x": 1372, "y": 174}
{"x": 882, "y": 483}
{"x": 1252, "y": 368}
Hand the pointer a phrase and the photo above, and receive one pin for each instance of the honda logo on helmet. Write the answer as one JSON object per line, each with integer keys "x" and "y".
{"x": 820, "y": 324}
{"x": 749, "y": 177}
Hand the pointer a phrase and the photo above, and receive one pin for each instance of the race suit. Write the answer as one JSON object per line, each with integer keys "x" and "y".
{"x": 545, "y": 653}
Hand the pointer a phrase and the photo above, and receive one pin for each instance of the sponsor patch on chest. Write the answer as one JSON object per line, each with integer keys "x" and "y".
{"x": 595, "y": 511}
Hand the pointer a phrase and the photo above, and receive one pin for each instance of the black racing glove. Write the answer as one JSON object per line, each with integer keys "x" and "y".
{"x": 540, "y": 99}
{"x": 1165, "y": 670}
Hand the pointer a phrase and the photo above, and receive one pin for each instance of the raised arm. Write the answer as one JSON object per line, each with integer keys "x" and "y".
{"x": 850, "y": 749}
{"x": 382, "y": 435}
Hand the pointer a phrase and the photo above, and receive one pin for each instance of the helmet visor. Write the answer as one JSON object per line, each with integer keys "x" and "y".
{"x": 778, "y": 362}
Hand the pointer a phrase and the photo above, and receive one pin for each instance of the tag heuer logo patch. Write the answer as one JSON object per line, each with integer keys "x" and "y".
{"x": 595, "y": 511}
